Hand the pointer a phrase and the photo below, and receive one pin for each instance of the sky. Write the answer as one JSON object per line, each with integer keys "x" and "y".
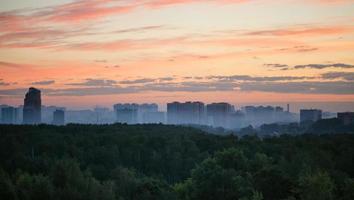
{"x": 83, "y": 53}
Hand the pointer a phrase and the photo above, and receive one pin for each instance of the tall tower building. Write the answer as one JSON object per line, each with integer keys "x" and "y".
{"x": 32, "y": 107}
{"x": 288, "y": 108}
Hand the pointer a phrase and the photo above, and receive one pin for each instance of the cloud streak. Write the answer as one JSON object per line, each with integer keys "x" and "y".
{"x": 338, "y": 87}
{"x": 84, "y": 10}
{"x": 51, "y": 27}
{"x": 10, "y": 64}
{"x": 95, "y": 83}
{"x": 2, "y": 83}
{"x": 307, "y": 87}
{"x": 303, "y": 31}
{"x": 138, "y": 81}
{"x": 323, "y": 66}
{"x": 48, "y": 82}
{"x": 348, "y": 76}
{"x": 258, "y": 79}
{"x": 331, "y": 83}
{"x": 310, "y": 66}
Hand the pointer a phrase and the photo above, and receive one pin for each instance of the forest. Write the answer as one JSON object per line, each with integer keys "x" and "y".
{"x": 155, "y": 161}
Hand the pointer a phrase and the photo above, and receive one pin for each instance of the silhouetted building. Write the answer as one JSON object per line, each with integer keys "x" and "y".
{"x": 154, "y": 117}
{"x": 262, "y": 113}
{"x": 133, "y": 113}
{"x": 218, "y": 114}
{"x": 126, "y": 113}
{"x": 104, "y": 115}
{"x": 186, "y": 113}
{"x": 59, "y": 117}
{"x": 1, "y": 107}
{"x": 328, "y": 115}
{"x": 346, "y": 117}
{"x": 47, "y": 113}
{"x": 172, "y": 112}
{"x": 310, "y": 115}
{"x": 258, "y": 115}
{"x": 153, "y": 107}
{"x": 80, "y": 116}
{"x": 279, "y": 109}
{"x": 147, "y": 108}
{"x": 9, "y": 115}
{"x": 236, "y": 120}
{"x": 32, "y": 107}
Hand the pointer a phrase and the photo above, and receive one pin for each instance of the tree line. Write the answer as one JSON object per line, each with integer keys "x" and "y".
{"x": 128, "y": 162}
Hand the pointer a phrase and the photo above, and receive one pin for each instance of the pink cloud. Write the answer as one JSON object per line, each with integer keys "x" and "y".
{"x": 55, "y": 39}
{"x": 87, "y": 10}
{"x": 333, "y": 1}
{"x": 307, "y": 31}
{"x": 83, "y": 10}
{"x": 10, "y": 64}
{"x": 51, "y": 27}
{"x": 125, "y": 44}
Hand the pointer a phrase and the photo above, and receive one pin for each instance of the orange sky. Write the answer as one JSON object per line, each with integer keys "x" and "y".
{"x": 84, "y": 53}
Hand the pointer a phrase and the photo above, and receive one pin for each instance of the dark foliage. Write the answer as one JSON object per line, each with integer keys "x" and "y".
{"x": 171, "y": 162}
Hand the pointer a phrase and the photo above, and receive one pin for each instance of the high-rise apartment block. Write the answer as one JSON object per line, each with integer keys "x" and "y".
{"x": 32, "y": 107}
{"x": 310, "y": 115}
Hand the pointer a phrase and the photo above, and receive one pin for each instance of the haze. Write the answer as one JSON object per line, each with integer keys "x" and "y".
{"x": 101, "y": 52}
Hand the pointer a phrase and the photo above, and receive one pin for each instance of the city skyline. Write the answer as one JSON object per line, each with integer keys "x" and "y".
{"x": 294, "y": 107}
{"x": 196, "y": 113}
{"x": 102, "y": 52}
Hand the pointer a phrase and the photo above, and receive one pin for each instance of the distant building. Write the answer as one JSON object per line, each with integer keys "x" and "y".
{"x": 218, "y": 114}
{"x": 47, "y": 113}
{"x": 154, "y": 117}
{"x": 288, "y": 108}
{"x": 80, "y": 116}
{"x": 328, "y": 115}
{"x": 258, "y": 115}
{"x": 262, "y": 112}
{"x": 279, "y": 109}
{"x": 185, "y": 113}
{"x": 32, "y": 107}
{"x": 9, "y": 115}
{"x": 153, "y": 107}
{"x": 146, "y": 108}
{"x": 311, "y": 115}
{"x": 104, "y": 115}
{"x": 236, "y": 120}
{"x": 346, "y": 117}
{"x": 133, "y": 113}
{"x": 1, "y": 107}
{"x": 126, "y": 113}
{"x": 59, "y": 117}
{"x": 172, "y": 112}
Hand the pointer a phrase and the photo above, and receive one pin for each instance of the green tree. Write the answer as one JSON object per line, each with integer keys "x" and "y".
{"x": 7, "y": 189}
{"x": 273, "y": 184}
{"x": 316, "y": 186}
{"x": 212, "y": 181}
{"x": 34, "y": 187}
{"x": 348, "y": 189}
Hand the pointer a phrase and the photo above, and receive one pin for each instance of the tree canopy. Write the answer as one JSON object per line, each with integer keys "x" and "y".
{"x": 128, "y": 162}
